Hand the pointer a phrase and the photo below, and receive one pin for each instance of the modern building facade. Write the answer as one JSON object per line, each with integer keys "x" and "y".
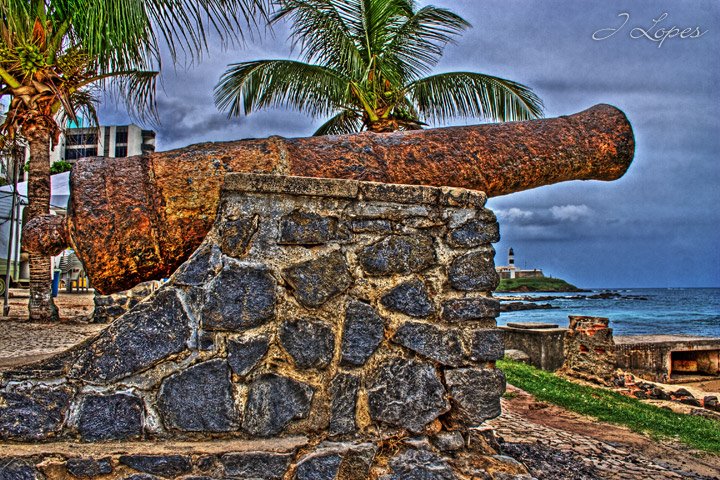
{"x": 115, "y": 141}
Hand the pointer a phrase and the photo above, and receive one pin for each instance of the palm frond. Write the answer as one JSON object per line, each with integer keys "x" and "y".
{"x": 439, "y": 98}
{"x": 249, "y": 86}
{"x": 418, "y": 42}
{"x": 184, "y": 24}
{"x": 345, "y": 122}
{"x": 135, "y": 88}
{"x": 326, "y": 31}
{"x": 83, "y": 103}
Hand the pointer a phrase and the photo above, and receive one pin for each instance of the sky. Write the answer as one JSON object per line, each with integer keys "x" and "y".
{"x": 658, "y": 226}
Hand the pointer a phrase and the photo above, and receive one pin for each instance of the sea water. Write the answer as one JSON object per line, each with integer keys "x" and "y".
{"x": 638, "y": 311}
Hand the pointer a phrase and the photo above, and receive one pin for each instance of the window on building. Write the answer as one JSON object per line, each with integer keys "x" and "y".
{"x": 75, "y": 153}
{"x": 121, "y": 136}
{"x": 120, "y": 151}
{"x": 81, "y": 139}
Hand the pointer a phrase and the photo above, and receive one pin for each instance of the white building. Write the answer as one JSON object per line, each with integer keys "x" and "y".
{"x": 113, "y": 141}
{"x": 510, "y": 271}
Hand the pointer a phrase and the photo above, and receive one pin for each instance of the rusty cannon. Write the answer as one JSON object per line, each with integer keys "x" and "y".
{"x": 138, "y": 218}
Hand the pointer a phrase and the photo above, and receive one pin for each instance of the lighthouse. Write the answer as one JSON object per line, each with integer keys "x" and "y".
{"x": 511, "y": 262}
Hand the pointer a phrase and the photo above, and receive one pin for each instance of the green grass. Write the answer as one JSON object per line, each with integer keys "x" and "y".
{"x": 543, "y": 284}
{"x": 698, "y": 432}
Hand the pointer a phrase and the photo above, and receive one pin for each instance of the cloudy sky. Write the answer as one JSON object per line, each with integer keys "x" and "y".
{"x": 658, "y": 226}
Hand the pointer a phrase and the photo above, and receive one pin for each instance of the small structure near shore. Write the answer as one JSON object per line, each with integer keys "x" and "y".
{"x": 589, "y": 350}
{"x": 541, "y": 342}
{"x": 588, "y": 346}
{"x": 669, "y": 358}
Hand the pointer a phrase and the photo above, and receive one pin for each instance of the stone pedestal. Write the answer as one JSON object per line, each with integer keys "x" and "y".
{"x": 589, "y": 350}
{"x": 353, "y": 317}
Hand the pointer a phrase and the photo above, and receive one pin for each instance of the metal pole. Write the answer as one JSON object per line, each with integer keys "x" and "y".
{"x": 6, "y": 302}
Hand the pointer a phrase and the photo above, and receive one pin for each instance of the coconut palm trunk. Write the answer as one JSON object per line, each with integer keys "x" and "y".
{"x": 41, "y": 306}
{"x": 55, "y": 54}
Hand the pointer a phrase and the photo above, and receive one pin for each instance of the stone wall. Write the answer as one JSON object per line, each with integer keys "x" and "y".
{"x": 542, "y": 343}
{"x": 109, "y": 307}
{"x": 351, "y": 313}
{"x": 589, "y": 350}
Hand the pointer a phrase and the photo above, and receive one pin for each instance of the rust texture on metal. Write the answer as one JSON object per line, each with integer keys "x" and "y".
{"x": 138, "y": 218}
{"x": 46, "y": 234}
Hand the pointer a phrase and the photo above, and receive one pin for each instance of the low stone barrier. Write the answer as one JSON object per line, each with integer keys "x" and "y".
{"x": 336, "y": 329}
{"x": 589, "y": 350}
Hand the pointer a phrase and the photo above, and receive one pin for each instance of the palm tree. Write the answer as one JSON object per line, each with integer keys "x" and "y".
{"x": 364, "y": 64}
{"x": 55, "y": 54}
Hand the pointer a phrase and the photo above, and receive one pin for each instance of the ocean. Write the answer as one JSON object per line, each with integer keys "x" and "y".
{"x": 638, "y": 311}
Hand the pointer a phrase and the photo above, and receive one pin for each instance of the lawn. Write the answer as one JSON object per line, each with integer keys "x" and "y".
{"x": 608, "y": 406}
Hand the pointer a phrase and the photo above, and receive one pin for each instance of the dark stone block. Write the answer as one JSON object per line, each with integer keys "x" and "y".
{"x": 475, "y": 233}
{"x": 316, "y": 281}
{"x": 29, "y": 414}
{"x": 475, "y": 394}
{"x": 343, "y": 393}
{"x": 239, "y": 297}
{"x": 110, "y": 417}
{"x": 310, "y": 342}
{"x": 410, "y": 298}
{"x": 372, "y": 225}
{"x": 398, "y": 254}
{"x": 467, "y": 309}
{"x": 236, "y": 235}
{"x": 140, "y": 476}
{"x": 420, "y": 465}
{"x": 406, "y": 393}
{"x": 319, "y": 467}
{"x": 170, "y": 466}
{"x": 17, "y": 469}
{"x": 206, "y": 463}
{"x": 449, "y": 441}
{"x": 199, "y": 399}
{"x": 256, "y": 465}
{"x": 337, "y": 461}
{"x": 89, "y": 467}
{"x": 144, "y": 336}
{"x": 474, "y": 271}
{"x": 306, "y": 228}
{"x": 273, "y": 402}
{"x": 200, "y": 268}
{"x": 245, "y": 352}
{"x": 357, "y": 461}
{"x": 444, "y": 347}
{"x": 363, "y": 331}
{"x": 486, "y": 345}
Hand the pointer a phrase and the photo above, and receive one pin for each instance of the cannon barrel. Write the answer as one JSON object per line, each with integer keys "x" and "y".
{"x": 138, "y": 218}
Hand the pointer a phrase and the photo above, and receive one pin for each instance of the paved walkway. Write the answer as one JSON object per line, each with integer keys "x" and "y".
{"x": 546, "y": 438}
{"x": 27, "y": 342}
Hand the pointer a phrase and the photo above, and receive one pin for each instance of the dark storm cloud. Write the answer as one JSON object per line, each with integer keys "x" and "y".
{"x": 657, "y": 226}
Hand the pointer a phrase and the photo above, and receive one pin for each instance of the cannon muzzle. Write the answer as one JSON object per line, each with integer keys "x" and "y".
{"x": 138, "y": 218}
